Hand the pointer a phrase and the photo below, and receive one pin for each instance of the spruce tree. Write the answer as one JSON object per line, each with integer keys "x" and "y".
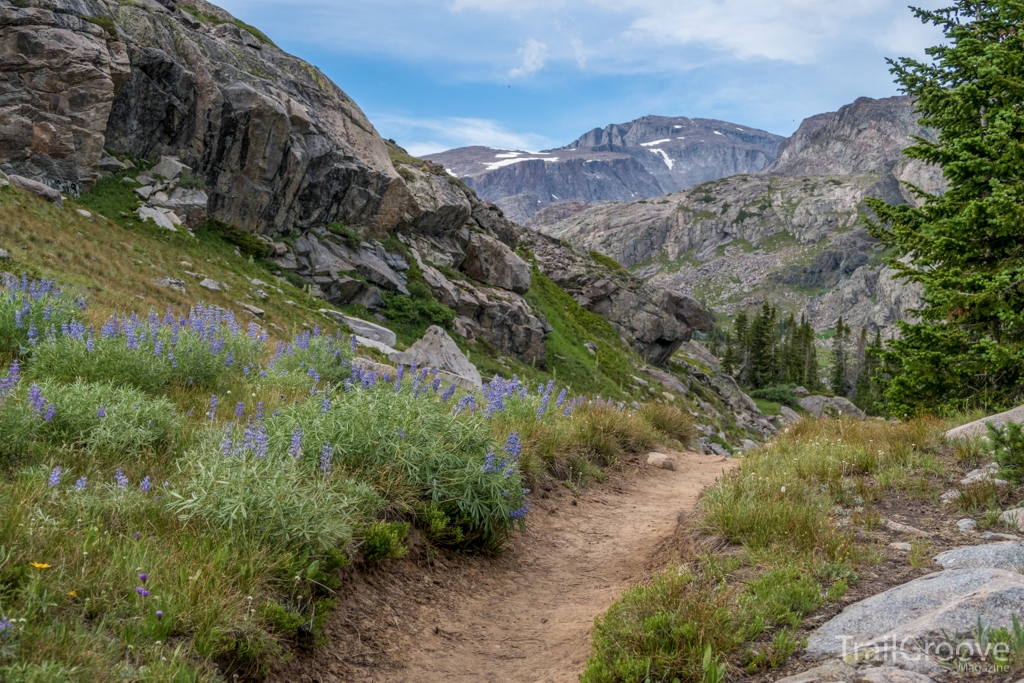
{"x": 839, "y": 359}
{"x": 965, "y": 247}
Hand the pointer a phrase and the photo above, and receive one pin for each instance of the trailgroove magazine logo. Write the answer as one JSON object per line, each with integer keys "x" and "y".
{"x": 984, "y": 655}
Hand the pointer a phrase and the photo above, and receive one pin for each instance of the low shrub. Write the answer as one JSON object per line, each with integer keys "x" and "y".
{"x": 382, "y": 541}
{"x": 153, "y": 354}
{"x": 318, "y": 357}
{"x": 781, "y": 394}
{"x": 99, "y": 418}
{"x": 33, "y": 309}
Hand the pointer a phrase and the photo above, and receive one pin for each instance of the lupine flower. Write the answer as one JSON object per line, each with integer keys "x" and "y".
{"x": 229, "y": 359}
{"x": 355, "y": 345}
{"x": 561, "y": 399}
{"x": 137, "y": 535}
{"x": 120, "y": 478}
{"x": 514, "y": 446}
{"x": 259, "y": 411}
{"x": 240, "y": 410}
{"x": 6, "y": 627}
{"x": 212, "y": 414}
{"x": 51, "y": 412}
{"x": 521, "y": 512}
{"x": 401, "y": 434}
{"x": 101, "y": 413}
{"x": 489, "y": 466}
{"x": 81, "y": 483}
{"x": 326, "y": 454}
{"x": 447, "y": 393}
{"x": 54, "y": 477}
{"x": 226, "y": 444}
{"x": 145, "y": 485}
{"x": 35, "y": 398}
{"x": 325, "y": 405}
{"x": 543, "y": 407}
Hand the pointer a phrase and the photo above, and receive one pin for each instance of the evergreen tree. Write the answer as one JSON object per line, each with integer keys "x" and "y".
{"x": 740, "y": 333}
{"x": 840, "y": 359}
{"x": 966, "y": 247}
{"x": 729, "y": 359}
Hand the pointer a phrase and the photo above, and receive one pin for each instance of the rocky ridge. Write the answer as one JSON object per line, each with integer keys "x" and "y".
{"x": 790, "y": 234}
{"x": 648, "y": 157}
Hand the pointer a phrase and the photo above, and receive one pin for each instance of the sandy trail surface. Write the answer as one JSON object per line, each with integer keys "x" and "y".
{"x": 523, "y": 617}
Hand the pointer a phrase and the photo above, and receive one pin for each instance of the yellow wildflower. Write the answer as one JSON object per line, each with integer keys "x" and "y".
{"x": 73, "y": 594}
{"x": 40, "y": 565}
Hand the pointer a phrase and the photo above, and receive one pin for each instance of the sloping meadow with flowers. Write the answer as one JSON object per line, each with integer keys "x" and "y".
{"x": 180, "y": 491}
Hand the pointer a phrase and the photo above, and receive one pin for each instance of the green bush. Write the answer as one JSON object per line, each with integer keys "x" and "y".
{"x": 410, "y": 316}
{"x": 605, "y": 260}
{"x": 1007, "y": 449}
{"x": 782, "y": 394}
{"x": 32, "y": 310}
{"x": 247, "y": 243}
{"x": 265, "y": 496}
{"x": 382, "y": 541}
{"x": 327, "y": 356}
{"x": 99, "y": 418}
{"x": 152, "y": 355}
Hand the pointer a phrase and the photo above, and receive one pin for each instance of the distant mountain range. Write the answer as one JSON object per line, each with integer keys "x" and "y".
{"x": 790, "y": 234}
{"x": 649, "y": 157}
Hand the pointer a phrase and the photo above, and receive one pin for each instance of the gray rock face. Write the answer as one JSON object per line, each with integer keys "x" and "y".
{"x": 819, "y": 406}
{"x": 491, "y": 262}
{"x": 278, "y": 144}
{"x": 979, "y": 428}
{"x": 1008, "y": 556}
{"x": 644, "y": 158}
{"x": 918, "y": 612}
{"x": 437, "y": 349}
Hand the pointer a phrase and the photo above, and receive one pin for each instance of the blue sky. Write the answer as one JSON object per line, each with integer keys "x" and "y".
{"x": 532, "y": 74}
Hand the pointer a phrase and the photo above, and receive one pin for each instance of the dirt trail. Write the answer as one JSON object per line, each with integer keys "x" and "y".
{"x": 525, "y": 616}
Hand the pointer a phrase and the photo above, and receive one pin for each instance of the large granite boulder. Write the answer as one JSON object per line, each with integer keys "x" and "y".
{"x": 979, "y": 428}
{"x": 831, "y": 406}
{"x": 491, "y": 262}
{"x": 436, "y": 349}
{"x": 929, "y": 610}
{"x": 1008, "y": 555}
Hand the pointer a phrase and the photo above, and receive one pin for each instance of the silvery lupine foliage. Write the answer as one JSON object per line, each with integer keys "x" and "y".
{"x": 29, "y": 308}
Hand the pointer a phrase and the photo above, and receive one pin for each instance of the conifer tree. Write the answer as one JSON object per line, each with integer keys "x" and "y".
{"x": 839, "y": 359}
{"x": 965, "y": 247}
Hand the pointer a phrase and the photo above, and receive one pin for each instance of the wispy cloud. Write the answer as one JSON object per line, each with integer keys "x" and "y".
{"x": 426, "y": 136}
{"x": 534, "y": 54}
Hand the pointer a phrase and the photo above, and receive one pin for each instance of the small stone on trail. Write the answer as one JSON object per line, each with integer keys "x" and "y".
{"x": 966, "y": 525}
{"x": 905, "y": 529}
{"x": 1013, "y": 519}
{"x": 662, "y": 461}
{"x": 902, "y": 547}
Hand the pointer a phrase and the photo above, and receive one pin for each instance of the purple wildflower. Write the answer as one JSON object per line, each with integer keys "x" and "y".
{"x": 325, "y": 405}
{"x": 143, "y": 577}
{"x": 101, "y": 413}
{"x": 326, "y": 455}
{"x": 447, "y": 393}
{"x": 145, "y": 485}
{"x": 51, "y": 412}
{"x": 514, "y": 446}
{"x": 239, "y": 410}
{"x": 142, "y": 592}
{"x": 159, "y": 615}
{"x": 81, "y": 483}
{"x": 54, "y": 477}
{"x": 120, "y": 478}
{"x": 212, "y": 414}
{"x": 561, "y": 399}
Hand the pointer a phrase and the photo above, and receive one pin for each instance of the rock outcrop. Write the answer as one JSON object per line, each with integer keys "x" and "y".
{"x": 648, "y": 157}
{"x": 277, "y": 143}
{"x": 979, "y": 428}
{"x": 436, "y": 349}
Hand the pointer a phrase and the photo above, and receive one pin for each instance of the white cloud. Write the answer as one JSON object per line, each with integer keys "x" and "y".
{"x": 534, "y": 54}
{"x": 427, "y": 136}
